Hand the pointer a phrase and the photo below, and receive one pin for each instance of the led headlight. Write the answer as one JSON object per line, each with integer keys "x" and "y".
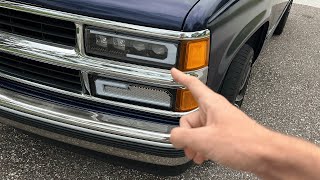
{"x": 129, "y": 48}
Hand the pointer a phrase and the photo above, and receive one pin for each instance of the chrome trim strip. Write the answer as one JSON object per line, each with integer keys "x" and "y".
{"x": 85, "y": 81}
{"x": 80, "y": 39}
{"x": 67, "y": 57}
{"x": 98, "y": 100}
{"x": 98, "y": 147}
{"x": 101, "y": 124}
{"x": 117, "y": 26}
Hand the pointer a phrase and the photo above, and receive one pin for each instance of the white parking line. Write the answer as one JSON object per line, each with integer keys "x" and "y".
{"x": 313, "y": 3}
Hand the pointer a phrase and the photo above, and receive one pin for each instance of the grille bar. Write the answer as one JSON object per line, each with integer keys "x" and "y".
{"x": 39, "y": 27}
{"x": 55, "y": 76}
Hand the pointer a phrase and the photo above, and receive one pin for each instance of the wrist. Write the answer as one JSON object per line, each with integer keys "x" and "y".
{"x": 263, "y": 152}
{"x": 284, "y": 157}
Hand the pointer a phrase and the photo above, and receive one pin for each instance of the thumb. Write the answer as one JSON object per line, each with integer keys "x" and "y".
{"x": 195, "y": 139}
{"x": 178, "y": 137}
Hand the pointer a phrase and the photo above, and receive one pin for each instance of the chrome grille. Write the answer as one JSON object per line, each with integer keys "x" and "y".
{"x": 54, "y": 76}
{"x": 39, "y": 27}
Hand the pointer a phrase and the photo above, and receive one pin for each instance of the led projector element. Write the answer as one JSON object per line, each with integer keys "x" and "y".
{"x": 129, "y": 48}
{"x": 133, "y": 92}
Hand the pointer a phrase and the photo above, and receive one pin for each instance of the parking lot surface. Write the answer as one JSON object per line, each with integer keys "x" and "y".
{"x": 284, "y": 94}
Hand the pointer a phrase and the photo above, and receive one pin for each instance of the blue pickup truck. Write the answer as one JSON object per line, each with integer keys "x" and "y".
{"x": 96, "y": 73}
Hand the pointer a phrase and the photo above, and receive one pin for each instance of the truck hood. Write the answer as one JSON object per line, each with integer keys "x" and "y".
{"x": 164, "y": 14}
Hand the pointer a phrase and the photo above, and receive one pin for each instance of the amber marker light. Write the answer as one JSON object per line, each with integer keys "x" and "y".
{"x": 185, "y": 100}
{"x": 194, "y": 54}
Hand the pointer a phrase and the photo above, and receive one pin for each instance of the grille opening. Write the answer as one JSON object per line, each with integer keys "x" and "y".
{"x": 42, "y": 73}
{"x": 39, "y": 27}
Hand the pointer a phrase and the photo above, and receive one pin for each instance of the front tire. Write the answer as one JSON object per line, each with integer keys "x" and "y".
{"x": 236, "y": 81}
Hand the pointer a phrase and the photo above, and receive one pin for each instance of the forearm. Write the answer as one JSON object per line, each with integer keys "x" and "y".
{"x": 285, "y": 157}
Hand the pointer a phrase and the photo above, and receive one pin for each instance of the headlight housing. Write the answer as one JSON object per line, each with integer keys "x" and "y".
{"x": 186, "y": 55}
{"x": 128, "y": 48}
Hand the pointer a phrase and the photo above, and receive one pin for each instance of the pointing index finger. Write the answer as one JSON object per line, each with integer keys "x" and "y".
{"x": 196, "y": 87}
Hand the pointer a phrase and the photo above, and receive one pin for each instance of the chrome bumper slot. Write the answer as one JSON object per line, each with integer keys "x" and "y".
{"x": 121, "y": 128}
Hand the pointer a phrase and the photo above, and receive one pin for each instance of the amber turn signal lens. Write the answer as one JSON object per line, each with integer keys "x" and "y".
{"x": 194, "y": 54}
{"x": 185, "y": 100}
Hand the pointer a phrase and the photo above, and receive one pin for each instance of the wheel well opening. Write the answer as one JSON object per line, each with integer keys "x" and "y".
{"x": 257, "y": 40}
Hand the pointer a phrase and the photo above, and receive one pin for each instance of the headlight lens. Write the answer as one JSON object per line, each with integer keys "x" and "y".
{"x": 128, "y": 48}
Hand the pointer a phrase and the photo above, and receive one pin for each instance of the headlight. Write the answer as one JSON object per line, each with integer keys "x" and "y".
{"x": 129, "y": 48}
{"x": 184, "y": 54}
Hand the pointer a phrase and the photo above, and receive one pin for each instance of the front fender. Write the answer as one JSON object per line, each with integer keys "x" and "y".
{"x": 231, "y": 27}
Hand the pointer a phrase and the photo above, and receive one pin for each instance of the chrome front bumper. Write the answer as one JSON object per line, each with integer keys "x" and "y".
{"x": 123, "y": 129}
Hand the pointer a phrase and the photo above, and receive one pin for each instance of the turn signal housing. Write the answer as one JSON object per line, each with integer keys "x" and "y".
{"x": 185, "y": 101}
{"x": 194, "y": 54}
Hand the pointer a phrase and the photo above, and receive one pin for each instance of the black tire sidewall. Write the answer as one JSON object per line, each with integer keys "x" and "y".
{"x": 236, "y": 72}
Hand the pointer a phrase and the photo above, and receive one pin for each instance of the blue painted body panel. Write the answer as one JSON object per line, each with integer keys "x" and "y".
{"x": 231, "y": 27}
{"x": 165, "y": 14}
{"x": 200, "y": 14}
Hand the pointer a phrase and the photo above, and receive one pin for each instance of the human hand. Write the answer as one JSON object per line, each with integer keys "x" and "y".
{"x": 218, "y": 131}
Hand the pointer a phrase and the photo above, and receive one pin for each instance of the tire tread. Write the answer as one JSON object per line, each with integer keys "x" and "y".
{"x": 236, "y": 69}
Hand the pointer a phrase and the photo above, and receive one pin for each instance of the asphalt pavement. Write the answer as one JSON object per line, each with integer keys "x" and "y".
{"x": 283, "y": 94}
